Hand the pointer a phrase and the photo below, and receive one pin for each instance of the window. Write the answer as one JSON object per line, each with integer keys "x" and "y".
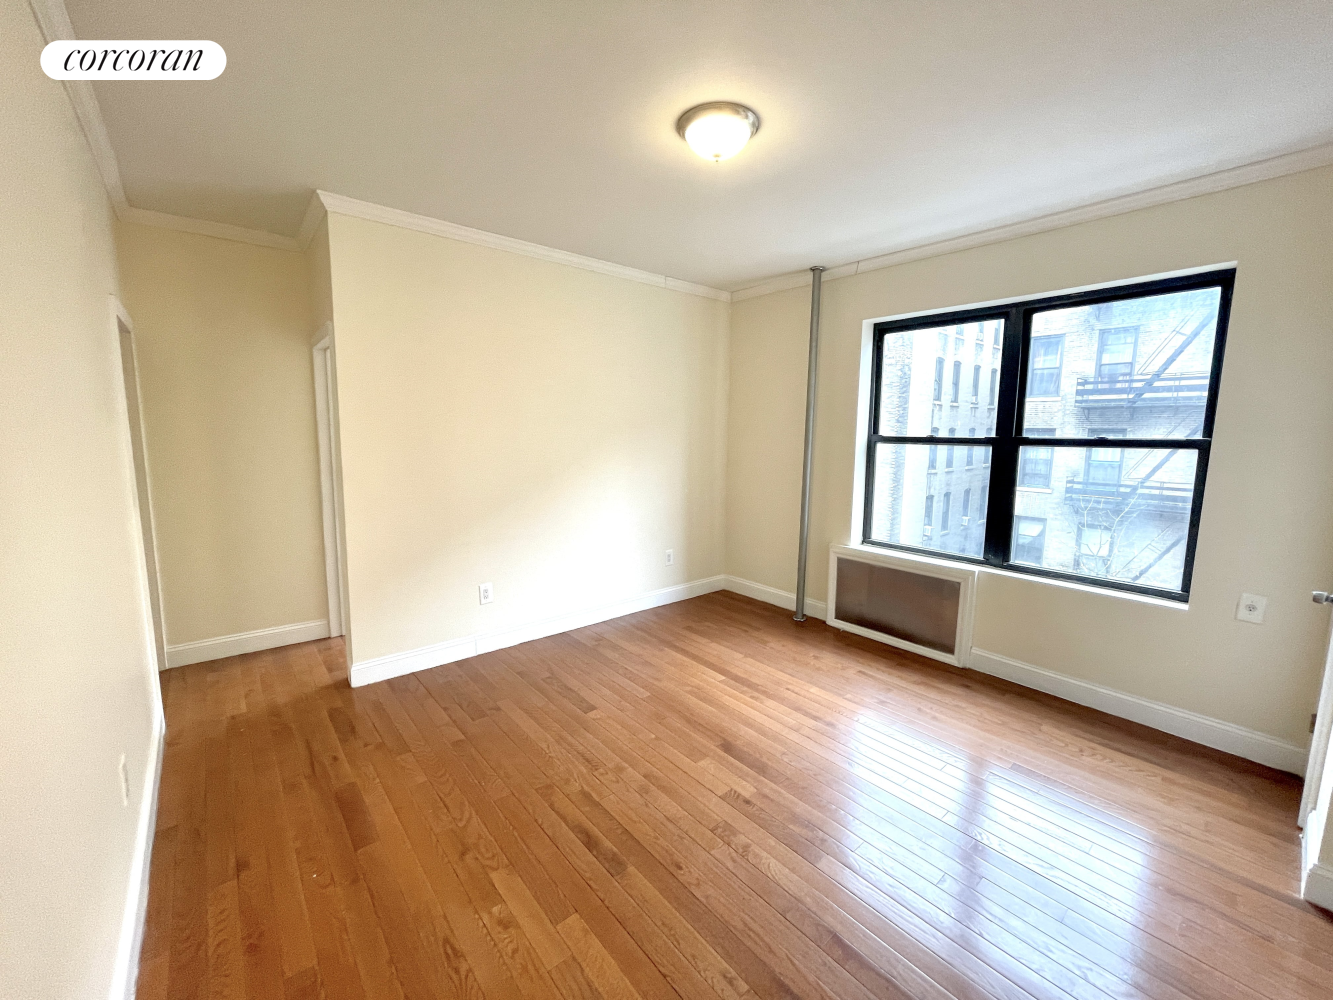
{"x": 1044, "y": 371}
{"x": 1029, "y": 540}
{"x": 1103, "y": 465}
{"x": 1034, "y": 469}
{"x": 976, "y": 384}
{"x": 1094, "y": 550}
{"x": 1115, "y": 352}
{"x": 1076, "y": 498}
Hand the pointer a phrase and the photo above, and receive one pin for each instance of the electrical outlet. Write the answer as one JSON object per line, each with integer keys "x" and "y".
{"x": 124, "y": 782}
{"x": 1251, "y": 608}
{"x": 671, "y": 557}
{"x": 485, "y": 593}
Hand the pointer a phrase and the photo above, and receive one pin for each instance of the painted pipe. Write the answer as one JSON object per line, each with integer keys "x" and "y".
{"x": 811, "y": 385}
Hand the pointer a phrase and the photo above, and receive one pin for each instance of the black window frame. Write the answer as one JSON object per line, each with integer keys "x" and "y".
{"x": 1008, "y": 437}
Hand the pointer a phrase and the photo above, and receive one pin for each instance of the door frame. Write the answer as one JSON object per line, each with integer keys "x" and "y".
{"x": 1319, "y": 742}
{"x": 141, "y": 479}
{"x": 324, "y": 361}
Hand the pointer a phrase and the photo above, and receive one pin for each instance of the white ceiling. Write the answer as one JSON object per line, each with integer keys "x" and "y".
{"x": 885, "y": 124}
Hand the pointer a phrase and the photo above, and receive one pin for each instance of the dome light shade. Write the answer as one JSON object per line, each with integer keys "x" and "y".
{"x": 718, "y": 130}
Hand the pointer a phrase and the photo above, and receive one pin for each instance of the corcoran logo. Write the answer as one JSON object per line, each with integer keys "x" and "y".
{"x": 77, "y": 59}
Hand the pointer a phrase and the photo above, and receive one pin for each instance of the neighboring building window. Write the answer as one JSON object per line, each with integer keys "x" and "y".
{"x": 1029, "y": 540}
{"x": 1044, "y": 371}
{"x": 1115, "y": 352}
{"x": 1116, "y": 505}
{"x": 1034, "y": 467}
{"x": 1103, "y": 465}
{"x": 1094, "y": 550}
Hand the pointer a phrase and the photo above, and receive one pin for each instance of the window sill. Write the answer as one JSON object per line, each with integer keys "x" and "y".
{"x": 1041, "y": 581}
{"x": 1034, "y": 489}
{"x": 1088, "y": 588}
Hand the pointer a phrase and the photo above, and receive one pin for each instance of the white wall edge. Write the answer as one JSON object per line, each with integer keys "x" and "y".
{"x": 343, "y": 205}
{"x": 125, "y": 973}
{"x": 1317, "y": 886}
{"x": 396, "y": 664}
{"x": 245, "y": 642}
{"x": 1236, "y": 175}
{"x": 1225, "y": 736}
{"x": 771, "y": 595}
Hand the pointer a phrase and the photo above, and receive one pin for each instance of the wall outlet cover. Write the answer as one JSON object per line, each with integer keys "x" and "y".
{"x": 1251, "y": 608}
{"x": 485, "y": 593}
{"x": 671, "y": 557}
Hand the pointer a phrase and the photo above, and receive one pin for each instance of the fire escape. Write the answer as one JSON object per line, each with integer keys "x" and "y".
{"x": 1136, "y": 491}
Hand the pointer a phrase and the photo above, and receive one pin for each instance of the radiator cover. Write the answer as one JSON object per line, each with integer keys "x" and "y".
{"x": 916, "y": 603}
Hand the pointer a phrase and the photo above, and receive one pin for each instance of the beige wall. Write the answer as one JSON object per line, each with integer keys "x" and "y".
{"x": 75, "y": 645}
{"x": 1268, "y": 515}
{"x": 223, "y": 332}
{"x": 321, "y": 287}
{"x": 544, "y": 428}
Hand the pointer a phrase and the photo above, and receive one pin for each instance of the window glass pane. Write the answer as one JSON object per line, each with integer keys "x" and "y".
{"x": 1141, "y": 364}
{"x": 933, "y": 377}
{"x": 930, "y": 509}
{"x": 1108, "y": 513}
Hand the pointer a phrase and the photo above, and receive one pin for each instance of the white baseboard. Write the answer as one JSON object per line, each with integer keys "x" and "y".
{"x": 1225, "y": 736}
{"x": 396, "y": 664}
{"x": 245, "y": 642}
{"x": 125, "y": 973}
{"x": 1317, "y": 886}
{"x": 771, "y": 595}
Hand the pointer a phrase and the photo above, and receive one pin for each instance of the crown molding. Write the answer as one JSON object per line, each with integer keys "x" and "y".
{"x": 314, "y": 215}
{"x": 1210, "y": 183}
{"x": 53, "y": 20}
{"x": 205, "y": 227}
{"x": 343, "y": 205}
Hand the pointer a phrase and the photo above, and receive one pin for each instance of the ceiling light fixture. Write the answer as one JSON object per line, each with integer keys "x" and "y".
{"x": 718, "y": 130}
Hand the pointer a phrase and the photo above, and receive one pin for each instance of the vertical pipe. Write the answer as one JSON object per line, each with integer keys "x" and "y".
{"x": 811, "y": 384}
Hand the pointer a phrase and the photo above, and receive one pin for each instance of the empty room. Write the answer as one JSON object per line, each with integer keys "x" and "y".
{"x": 645, "y": 501}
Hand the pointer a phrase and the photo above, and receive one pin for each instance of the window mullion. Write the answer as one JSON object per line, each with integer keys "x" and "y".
{"x": 1004, "y": 452}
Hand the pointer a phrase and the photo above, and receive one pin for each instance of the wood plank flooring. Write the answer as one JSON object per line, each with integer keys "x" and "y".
{"x": 705, "y": 800}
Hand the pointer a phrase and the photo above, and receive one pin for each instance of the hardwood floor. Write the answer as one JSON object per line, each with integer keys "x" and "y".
{"x": 705, "y": 800}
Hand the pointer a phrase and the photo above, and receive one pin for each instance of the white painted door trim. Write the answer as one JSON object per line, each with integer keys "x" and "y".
{"x": 1319, "y": 742}
{"x": 125, "y": 967}
{"x": 324, "y": 357}
{"x": 122, "y": 336}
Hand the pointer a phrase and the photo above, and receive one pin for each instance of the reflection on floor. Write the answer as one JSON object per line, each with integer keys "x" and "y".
{"x": 705, "y": 800}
